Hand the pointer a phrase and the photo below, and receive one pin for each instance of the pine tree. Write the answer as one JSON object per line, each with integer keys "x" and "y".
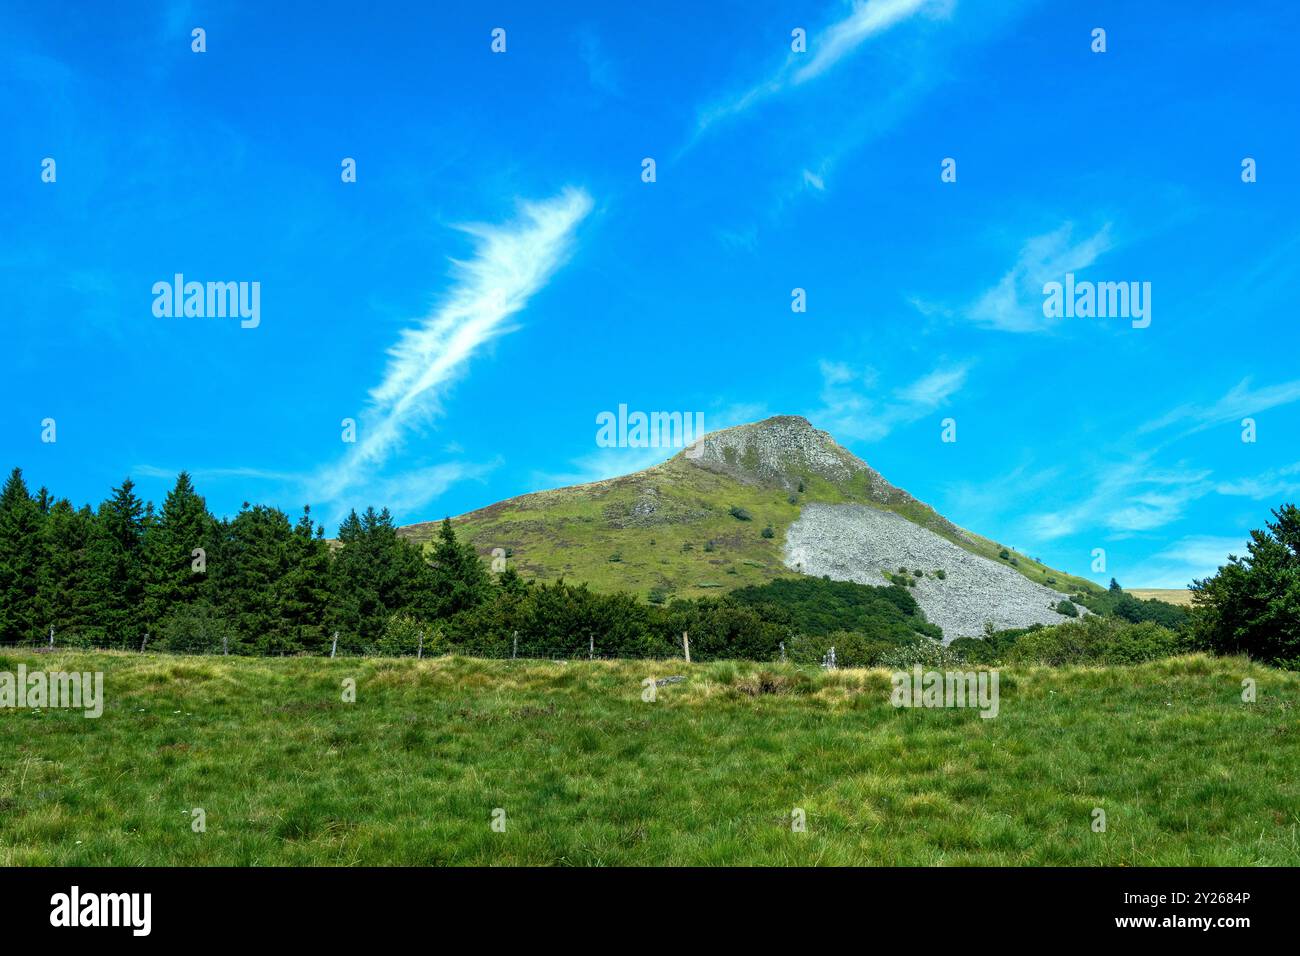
{"x": 118, "y": 568}
{"x": 376, "y": 574}
{"x": 20, "y": 557}
{"x": 252, "y": 562}
{"x": 184, "y": 525}
{"x": 305, "y": 590}
{"x": 461, "y": 581}
{"x": 67, "y": 586}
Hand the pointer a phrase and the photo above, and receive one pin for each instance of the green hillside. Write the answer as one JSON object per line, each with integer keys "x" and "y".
{"x": 671, "y": 529}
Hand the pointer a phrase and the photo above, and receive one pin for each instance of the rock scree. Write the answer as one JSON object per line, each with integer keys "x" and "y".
{"x": 853, "y": 542}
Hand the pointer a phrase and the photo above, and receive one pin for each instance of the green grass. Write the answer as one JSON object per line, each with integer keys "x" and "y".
{"x": 588, "y": 773}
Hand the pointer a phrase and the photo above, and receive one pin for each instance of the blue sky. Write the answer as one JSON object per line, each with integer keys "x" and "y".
{"x": 499, "y": 273}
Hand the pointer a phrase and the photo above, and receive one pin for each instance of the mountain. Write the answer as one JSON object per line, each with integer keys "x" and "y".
{"x": 755, "y": 502}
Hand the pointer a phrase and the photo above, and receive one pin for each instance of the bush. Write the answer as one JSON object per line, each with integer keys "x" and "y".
{"x": 975, "y": 650}
{"x": 1065, "y": 607}
{"x": 740, "y": 514}
{"x": 1252, "y": 604}
{"x": 1096, "y": 640}
{"x": 708, "y": 545}
{"x": 852, "y": 649}
{"x": 929, "y": 654}
{"x": 769, "y": 532}
{"x": 401, "y": 638}
{"x": 196, "y": 628}
{"x": 941, "y": 574}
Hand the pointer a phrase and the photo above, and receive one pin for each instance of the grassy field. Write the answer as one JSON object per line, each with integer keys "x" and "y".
{"x": 589, "y": 773}
{"x": 1179, "y": 596}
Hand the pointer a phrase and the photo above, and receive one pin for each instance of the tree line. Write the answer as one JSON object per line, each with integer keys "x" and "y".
{"x": 257, "y": 583}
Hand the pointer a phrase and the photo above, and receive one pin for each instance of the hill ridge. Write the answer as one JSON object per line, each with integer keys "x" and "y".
{"x": 729, "y": 511}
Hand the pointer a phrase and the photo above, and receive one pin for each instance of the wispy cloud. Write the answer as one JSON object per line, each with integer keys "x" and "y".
{"x": 215, "y": 474}
{"x": 827, "y": 46}
{"x": 867, "y": 19}
{"x": 1015, "y": 303}
{"x": 853, "y": 407}
{"x": 413, "y": 490}
{"x": 1275, "y": 484}
{"x": 512, "y": 262}
{"x": 1128, "y": 497}
{"x": 1240, "y": 402}
{"x": 931, "y": 391}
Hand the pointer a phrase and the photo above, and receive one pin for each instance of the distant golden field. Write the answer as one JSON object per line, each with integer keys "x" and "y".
{"x": 1180, "y": 596}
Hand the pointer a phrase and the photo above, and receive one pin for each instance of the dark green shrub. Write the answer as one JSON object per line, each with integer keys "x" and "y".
{"x": 740, "y": 514}
{"x": 195, "y": 628}
{"x": 852, "y": 649}
{"x": 1066, "y": 608}
{"x": 769, "y": 532}
{"x": 1096, "y": 640}
{"x": 975, "y": 650}
{"x": 1252, "y": 604}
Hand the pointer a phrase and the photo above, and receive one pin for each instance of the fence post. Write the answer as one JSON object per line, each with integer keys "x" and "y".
{"x": 225, "y": 645}
{"x": 144, "y": 642}
{"x": 783, "y": 652}
{"x": 335, "y": 647}
{"x": 51, "y": 637}
{"x": 686, "y": 645}
{"x": 419, "y": 651}
{"x": 591, "y": 647}
{"x": 514, "y": 651}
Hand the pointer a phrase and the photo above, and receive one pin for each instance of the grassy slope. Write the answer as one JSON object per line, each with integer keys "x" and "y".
{"x": 590, "y": 774}
{"x": 573, "y": 532}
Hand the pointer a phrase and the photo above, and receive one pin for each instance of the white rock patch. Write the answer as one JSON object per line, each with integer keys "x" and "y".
{"x": 863, "y": 544}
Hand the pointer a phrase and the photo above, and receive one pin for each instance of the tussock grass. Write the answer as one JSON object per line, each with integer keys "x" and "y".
{"x": 588, "y": 773}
